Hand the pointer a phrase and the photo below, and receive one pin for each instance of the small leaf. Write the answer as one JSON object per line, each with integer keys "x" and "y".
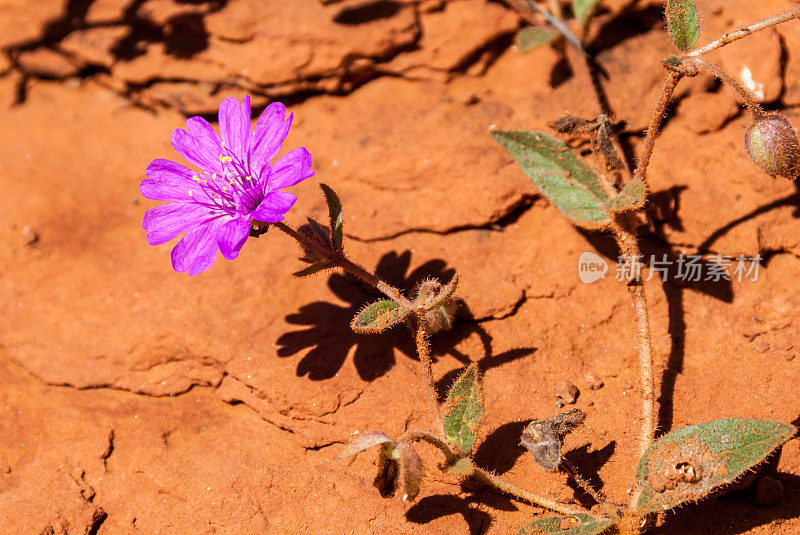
{"x": 631, "y": 197}
{"x": 378, "y": 317}
{"x": 577, "y": 524}
{"x": 335, "y": 212}
{"x": 583, "y": 9}
{"x": 445, "y": 293}
{"x": 529, "y": 38}
{"x": 462, "y": 468}
{"x": 410, "y": 473}
{"x": 683, "y": 23}
{"x": 463, "y": 409}
{"x": 364, "y": 441}
{"x": 692, "y": 462}
{"x": 313, "y": 268}
{"x": 568, "y": 182}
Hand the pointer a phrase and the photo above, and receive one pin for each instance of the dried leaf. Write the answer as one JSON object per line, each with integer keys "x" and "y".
{"x": 529, "y": 38}
{"x": 335, "y": 212}
{"x": 364, "y": 441}
{"x": 578, "y": 524}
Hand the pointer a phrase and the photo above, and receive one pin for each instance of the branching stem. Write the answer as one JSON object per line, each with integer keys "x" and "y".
{"x": 587, "y": 487}
{"x": 729, "y": 38}
{"x": 749, "y": 99}
{"x": 487, "y": 477}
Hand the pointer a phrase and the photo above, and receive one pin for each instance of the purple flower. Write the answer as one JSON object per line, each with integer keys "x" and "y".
{"x": 236, "y": 184}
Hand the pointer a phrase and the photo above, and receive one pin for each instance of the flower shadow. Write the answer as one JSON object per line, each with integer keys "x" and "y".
{"x": 325, "y": 336}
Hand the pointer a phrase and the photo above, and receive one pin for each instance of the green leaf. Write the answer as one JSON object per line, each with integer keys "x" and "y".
{"x": 335, "y": 212}
{"x": 566, "y": 181}
{"x": 462, "y": 468}
{"x": 445, "y": 293}
{"x": 631, "y": 197}
{"x": 583, "y": 9}
{"x": 683, "y": 23}
{"x": 692, "y": 462}
{"x": 312, "y": 269}
{"x": 463, "y": 409}
{"x": 529, "y": 38}
{"x": 364, "y": 441}
{"x": 577, "y": 524}
{"x": 378, "y": 317}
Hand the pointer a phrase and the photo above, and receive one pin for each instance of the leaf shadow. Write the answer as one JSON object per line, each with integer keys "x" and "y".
{"x": 588, "y": 463}
{"x": 470, "y": 508}
{"x": 324, "y": 332}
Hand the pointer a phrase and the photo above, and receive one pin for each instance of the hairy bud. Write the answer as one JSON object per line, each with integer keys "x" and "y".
{"x": 771, "y": 142}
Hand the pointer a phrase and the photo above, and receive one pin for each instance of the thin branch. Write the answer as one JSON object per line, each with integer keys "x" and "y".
{"x": 729, "y": 38}
{"x": 337, "y": 258}
{"x": 749, "y": 99}
{"x": 423, "y": 350}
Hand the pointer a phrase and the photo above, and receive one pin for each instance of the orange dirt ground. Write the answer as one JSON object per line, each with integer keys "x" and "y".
{"x": 137, "y": 400}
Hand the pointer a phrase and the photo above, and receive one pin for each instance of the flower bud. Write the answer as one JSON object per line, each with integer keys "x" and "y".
{"x": 771, "y": 142}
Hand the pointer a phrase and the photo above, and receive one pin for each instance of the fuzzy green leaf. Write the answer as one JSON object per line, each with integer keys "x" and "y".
{"x": 529, "y": 38}
{"x": 578, "y": 524}
{"x": 692, "y": 462}
{"x": 568, "y": 182}
{"x": 631, "y": 197}
{"x": 583, "y": 9}
{"x": 683, "y": 23}
{"x": 463, "y": 409}
{"x": 378, "y": 317}
{"x": 364, "y": 441}
{"x": 312, "y": 269}
{"x": 445, "y": 293}
{"x": 335, "y": 212}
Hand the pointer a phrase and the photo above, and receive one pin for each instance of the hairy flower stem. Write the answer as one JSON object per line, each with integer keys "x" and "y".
{"x": 338, "y": 259}
{"x": 487, "y": 477}
{"x": 423, "y": 350}
{"x": 749, "y": 99}
{"x": 729, "y": 38}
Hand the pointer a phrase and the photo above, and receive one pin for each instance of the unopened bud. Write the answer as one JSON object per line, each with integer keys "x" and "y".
{"x": 771, "y": 142}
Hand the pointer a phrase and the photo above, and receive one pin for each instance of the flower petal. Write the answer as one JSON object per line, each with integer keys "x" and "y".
{"x": 232, "y": 235}
{"x": 293, "y": 167}
{"x": 166, "y": 221}
{"x": 197, "y": 250}
{"x": 274, "y": 207}
{"x": 234, "y": 126}
{"x": 268, "y": 135}
{"x": 162, "y": 169}
{"x": 200, "y": 145}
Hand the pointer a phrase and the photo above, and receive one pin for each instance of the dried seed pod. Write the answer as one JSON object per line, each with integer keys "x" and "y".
{"x": 540, "y": 438}
{"x": 544, "y": 438}
{"x": 771, "y": 142}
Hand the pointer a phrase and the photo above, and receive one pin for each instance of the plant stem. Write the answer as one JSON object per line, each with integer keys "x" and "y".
{"x": 670, "y": 82}
{"x": 487, "y": 477}
{"x": 423, "y": 350}
{"x": 749, "y": 99}
{"x": 729, "y": 38}
{"x": 338, "y": 259}
{"x": 624, "y": 232}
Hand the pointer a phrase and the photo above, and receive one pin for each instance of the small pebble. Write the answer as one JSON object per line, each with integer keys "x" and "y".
{"x": 593, "y": 382}
{"x": 29, "y": 235}
{"x": 769, "y": 491}
{"x": 567, "y": 392}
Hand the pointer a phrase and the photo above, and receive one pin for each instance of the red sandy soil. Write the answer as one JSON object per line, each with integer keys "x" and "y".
{"x": 137, "y": 400}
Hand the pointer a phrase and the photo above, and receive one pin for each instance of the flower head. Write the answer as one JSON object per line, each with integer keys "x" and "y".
{"x": 235, "y": 184}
